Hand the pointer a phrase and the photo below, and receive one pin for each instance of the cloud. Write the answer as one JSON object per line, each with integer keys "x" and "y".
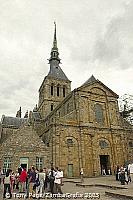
{"x": 115, "y": 46}
{"x": 89, "y": 42}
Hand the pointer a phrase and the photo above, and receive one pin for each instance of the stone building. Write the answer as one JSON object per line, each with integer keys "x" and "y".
{"x": 55, "y": 86}
{"x": 86, "y": 131}
{"x": 79, "y": 129}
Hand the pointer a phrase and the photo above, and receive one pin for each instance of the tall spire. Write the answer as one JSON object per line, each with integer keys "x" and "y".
{"x": 54, "y": 50}
{"x": 54, "y": 61}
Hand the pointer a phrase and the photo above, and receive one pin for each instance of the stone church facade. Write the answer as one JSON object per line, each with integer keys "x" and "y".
{"x": 73, "y": 129}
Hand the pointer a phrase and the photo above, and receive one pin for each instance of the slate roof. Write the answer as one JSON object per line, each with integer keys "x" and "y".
{"x": 57, "y": 72}
{"x": 12, "y": 121}
{"x": 91, "y": 80}
{"x": 36, "y": 116}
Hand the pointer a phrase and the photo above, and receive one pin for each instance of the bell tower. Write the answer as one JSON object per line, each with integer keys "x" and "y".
{"x": 55, "y": 86}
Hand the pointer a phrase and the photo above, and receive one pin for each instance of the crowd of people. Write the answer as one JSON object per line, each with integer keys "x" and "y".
{"x": 124, "y": 174}
{"x": 33, "y": 181}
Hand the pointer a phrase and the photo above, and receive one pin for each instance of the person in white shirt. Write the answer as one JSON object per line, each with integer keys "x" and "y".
{"x": 7, "y": 183}
{"x": 130, "y": 169}
{"x": 58, "y": 180}
{"x": 41, "y": 177}
{"x": 81, "y": 175}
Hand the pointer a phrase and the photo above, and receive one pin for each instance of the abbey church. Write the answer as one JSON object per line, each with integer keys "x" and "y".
{"x": 69, "y": 129}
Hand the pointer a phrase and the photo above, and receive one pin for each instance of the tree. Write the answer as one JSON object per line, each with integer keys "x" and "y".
{"x": 126, "y": 107}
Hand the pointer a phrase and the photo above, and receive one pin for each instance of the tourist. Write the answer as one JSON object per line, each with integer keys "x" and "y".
{"x": 103, "y": 172}
{"x": 37, "y": 183}
{"x": 51, "y": 180}
{"x": 22, "y": 180}
{"x": 58, "y": 177}
{"x": 7, "y": 183}
{"x": 130, "y": 169}
{"x": 117, "y": 172}
{"x": 41, "y": 176}
{"x": 126, "y": 176}
{"x": 17, "y": 175}
{"x": 61, "y": 176}
{"x": 122, "y": 176}
{"x": 27, "y": 183}
{"x": 12, "y": 181}
{"x": 46, "y": 182}
{"x": 81, "y": 175}
{"x": 32, "y": 179}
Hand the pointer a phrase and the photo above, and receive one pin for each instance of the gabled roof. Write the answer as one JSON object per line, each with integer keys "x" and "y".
{"x": 93, "y": 80}
{"x": 90, "y": 81}
{"x": 12, "y": 121}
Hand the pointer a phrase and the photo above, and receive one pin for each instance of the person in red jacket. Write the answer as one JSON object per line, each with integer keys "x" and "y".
{"x": 22, "y": 180}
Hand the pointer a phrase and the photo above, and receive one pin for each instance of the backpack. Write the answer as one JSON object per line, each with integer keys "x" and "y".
{"x": 51, "y": 176}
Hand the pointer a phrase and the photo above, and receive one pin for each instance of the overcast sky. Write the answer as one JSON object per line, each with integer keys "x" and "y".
{"x": 94, "y": 37}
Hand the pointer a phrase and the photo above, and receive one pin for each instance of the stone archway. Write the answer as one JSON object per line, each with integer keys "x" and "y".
{"x": 105, "y": 163}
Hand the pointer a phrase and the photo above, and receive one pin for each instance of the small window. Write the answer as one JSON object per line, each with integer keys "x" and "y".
{"x": 64, "y": 92}
{"x": 52, "y": 107}
{"x": 39, "y": 162}
{"x": 59, "y": 114}
{"x": 6, "y": 164}
{"x": 52, "y": 89}
{"x": 58, "y": 91}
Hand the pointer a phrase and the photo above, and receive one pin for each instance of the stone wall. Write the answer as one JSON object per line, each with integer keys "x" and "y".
{"x": 45, "y": 97}
{"x": 24, "y": 143}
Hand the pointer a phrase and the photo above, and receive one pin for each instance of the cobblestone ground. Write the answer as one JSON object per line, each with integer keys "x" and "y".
{"x": 71, "y": 188}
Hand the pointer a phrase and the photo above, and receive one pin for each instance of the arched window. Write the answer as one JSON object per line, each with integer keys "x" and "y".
{"x": 52, "y": 89}
{"x": 52, "y": 107}
{"x": 103, "y": 144}
{"x": 64, "y": 91}
{"x": 58, "y": 91}
{"x": 69, "y": 142}
{"x": 98, "y": 113}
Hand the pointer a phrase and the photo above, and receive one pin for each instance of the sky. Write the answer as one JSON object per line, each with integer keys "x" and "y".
{"x": 93, "y": 36}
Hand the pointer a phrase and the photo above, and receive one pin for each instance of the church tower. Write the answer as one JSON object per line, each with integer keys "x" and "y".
{"x": 55, "y": 86}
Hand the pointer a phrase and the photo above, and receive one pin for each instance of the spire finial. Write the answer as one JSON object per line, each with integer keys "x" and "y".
{"x": 55, "y": 40}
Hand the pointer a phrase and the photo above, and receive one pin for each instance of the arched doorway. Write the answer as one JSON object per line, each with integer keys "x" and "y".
{"x": 105, "y": 157}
